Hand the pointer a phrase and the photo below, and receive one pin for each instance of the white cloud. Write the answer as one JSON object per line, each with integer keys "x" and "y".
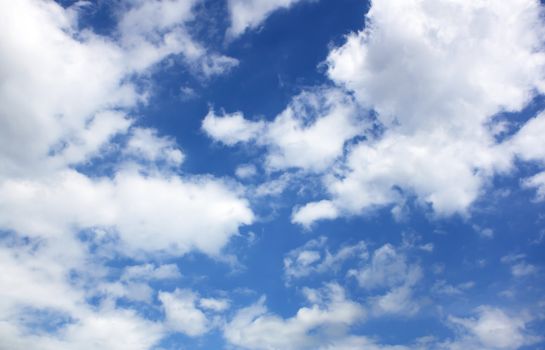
{"x": 151, "y": 213}
{"x": 389, "y": 271}
{"x": 274, "y": 187}
{"x": 151, "y": 272}
{"x": 88, "y": 333}
{"x": 315, "y": 257}
{"x": 152, "y": 30}
{"x": 231, "y": 128}
{"x": 65, "y": 100}
{"x": 485, "y": 232}
{"x": 436, "y": 73}
{"x": 519, "y": 268}
{"x": 443, "y": 63}
{"x": 538, "y": 182}
{"x": 254, "y": 328}
{"x": 62, "y": 113}
{"x": 213, "y": 304}
{"x": 399, "y": 300}
{"x": 38, "y": 282}
{"x": 527, "y": 143}
{"x": 314, "y": 211}
{"x": 492, "y": 328}
{"x": 522, "y": 269}
{"x": 387, "y": 268}
{"x": 75, "y": 123}
{"x": 358, "y": 343}
{"x": 182, "y": 314}
{"x": 245, "y": 171}
{"x": 309, "y": 134}
{"x": 144, "y": 143}
{"x": 250, "y": 14}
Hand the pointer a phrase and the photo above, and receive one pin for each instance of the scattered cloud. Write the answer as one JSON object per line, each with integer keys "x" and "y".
{"x": 491, "y": 328}
{"x": 314, "y": 257}
{"x": 329, "y": 312}
{"x": 309, "y": 134}
{"x": 436, "y": 73}
{"x": 250, "y": 14}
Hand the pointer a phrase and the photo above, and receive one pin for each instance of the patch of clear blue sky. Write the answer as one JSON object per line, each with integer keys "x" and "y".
{"x": 276, "y": 63}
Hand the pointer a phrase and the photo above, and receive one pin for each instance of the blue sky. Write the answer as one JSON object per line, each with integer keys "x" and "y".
{"x": 272, "y": 174}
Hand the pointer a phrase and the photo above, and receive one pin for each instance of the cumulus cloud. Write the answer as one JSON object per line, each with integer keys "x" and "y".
{"x": 312, "y": 212}
{"x": 152, "y": 30}
{"x": 491, "y": 328}
{"x": 94, "y": 330}
{"x": 250, "y": 14}
{"x": 436, "y": 73}
{"x": 182, "y": 314}
{"x": 76, "y": 124}
{"x": 66, "y": 101}
{"x": 309, "y": 134}
{"x": 149, "y": 213}
{"x": 255, "y": 328}
{"x": 144, "y": 143}
{"x": 231, "y": 128}
{"x": 38, "y": 285}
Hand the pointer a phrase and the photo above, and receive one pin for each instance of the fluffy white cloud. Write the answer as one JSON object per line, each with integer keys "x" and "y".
{"x": 76, "y": 124}
{"x": 309, "y": 134}
{"x": 436, "y": 73}
{"x": 250, "y": 14}
{"x": 70, "y": 92}
{"x": 65, "y": 103}
{"x": 492, "y": 328}
{"x": 358, "y": 343}
{"x": 231, "y": 128}
{"x": 37, "y": 283}
{"x": 387, "y": 268}
{"x": 527, "y": 143}
{"x": 424, "y": 64}
{"x": 254, "y": 328}
{"x": 182, "y": 314}
{"x": 96, "y": 330}
{"x": 147, "y": 145}
{"x": 152, "y": 30}
{"x": 311, "y": 212}
{"x": 150, "y": 213}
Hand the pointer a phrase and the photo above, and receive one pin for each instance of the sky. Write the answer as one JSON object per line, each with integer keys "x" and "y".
{"x": 272, "y": 174}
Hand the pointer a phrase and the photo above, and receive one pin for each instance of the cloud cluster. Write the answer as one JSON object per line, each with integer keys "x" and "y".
{"x": 310, "y": 134}
{"x": 250, "y": 14}
{"x": 436, "y": 73}
{"x": 329, "y": 311}
{"x": 80, "y": 182}
{"x": 491, "y": 328}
